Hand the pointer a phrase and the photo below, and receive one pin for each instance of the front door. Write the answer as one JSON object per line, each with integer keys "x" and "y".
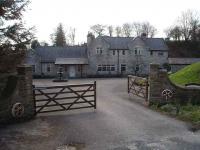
{"x": 72, "y": 71}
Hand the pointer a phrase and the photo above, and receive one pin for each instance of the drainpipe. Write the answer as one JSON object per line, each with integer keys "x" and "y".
{"x": 118, "y": 62}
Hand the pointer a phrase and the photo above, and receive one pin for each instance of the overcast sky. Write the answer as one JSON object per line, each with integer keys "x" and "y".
{"x": 81, "y": 14}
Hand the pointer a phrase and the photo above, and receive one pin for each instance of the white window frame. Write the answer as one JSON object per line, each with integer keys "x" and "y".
{"x": 99, "y": 50}
{"x": 105, "y": 68}
{"x": 113, "y": 52}
{"x": 123, "y": 52}
{"x": 48, "y": 68}
{"x": 125, "y": 66}
{"x": 160, "y": 53}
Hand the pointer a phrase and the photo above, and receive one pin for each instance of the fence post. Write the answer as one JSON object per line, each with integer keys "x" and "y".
{"x": 147, "y": 86}
{"x": 128, "y": 85}
{"x": 95, "y": 95}
{"x": 34, "y": 99}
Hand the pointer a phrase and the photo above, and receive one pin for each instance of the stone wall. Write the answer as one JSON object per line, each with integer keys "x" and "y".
{"x": 159, "y": 81}
{"x": 18, "y": 104}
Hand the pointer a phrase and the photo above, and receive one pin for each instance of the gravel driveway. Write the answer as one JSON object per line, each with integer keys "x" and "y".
{"x": 119, "y": 123}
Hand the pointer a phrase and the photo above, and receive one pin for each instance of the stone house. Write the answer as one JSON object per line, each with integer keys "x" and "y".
{"x": 179, "y": 63}
{"x": 102, "y": 56}
{"x": 48, "y": 60}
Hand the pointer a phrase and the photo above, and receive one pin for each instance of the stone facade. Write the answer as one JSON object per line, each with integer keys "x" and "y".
{"x": 159, "y": 81}
{"x": 135, "y": 52}
{"x": 18, "y": 92}
{"x": 104, "y": 56}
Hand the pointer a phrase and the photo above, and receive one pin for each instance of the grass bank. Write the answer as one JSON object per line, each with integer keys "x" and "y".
{"x": 189, "y": 74}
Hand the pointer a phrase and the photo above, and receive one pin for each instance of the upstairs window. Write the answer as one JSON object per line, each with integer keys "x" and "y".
{"x": 136, "y": 51}
{"x": 33, "y": 68}
{"x": 123, "y": 52}
{"x": 113, "y": 52}
{"x": 160, "y": 54}
{"x": 99, "y": 50}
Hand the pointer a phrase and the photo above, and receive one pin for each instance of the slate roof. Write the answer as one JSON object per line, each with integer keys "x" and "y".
{"x": 122, "y": 42}
{"x": 71, "y": 61}
{"x": 118, "y": 42}
{"x": 183, "y": 61}
{"x": 156, "y": 43}
{"x": 50, "y": 53}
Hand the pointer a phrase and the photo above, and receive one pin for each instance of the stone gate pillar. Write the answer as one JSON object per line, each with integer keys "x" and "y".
{"x": 16, "y": 97}
{"x": 25, "y": 90}
{"x": 157, "y": 83}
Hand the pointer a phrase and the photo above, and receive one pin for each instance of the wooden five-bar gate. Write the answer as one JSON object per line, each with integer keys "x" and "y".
{"x": 138, "y": 86}
{"x": 64, "y": 98}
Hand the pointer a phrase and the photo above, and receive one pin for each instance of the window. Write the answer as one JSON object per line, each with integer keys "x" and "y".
{"x": 151, "y": 53}
{"x": 99, "y": 68}
{"x": 123, "y": 52}
{"x": 160, "y": 53}
{"x": 99, "y": 50}
{"x": 79, "y": 68}
{"x": 135, "y": 51}
{"x": 123, "y": 67}
{"x": 112, "y": 68}
{"x": 33, "y": 68}
{"x": 106, "y": 68}
{"x": 48, "y": 67}
{"x": 113, "y": 52}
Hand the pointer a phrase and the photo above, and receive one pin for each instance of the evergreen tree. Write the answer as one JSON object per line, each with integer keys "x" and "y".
{"x": 58, "y": 38}
{"x": 14, "y": 37}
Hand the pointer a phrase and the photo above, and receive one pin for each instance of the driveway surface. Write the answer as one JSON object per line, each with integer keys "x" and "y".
{"x": 119, "y": 123}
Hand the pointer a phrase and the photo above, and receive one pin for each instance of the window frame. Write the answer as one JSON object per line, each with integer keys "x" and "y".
{"x": 123, "y": 52}
{"x": 113, "y": 52}
{"x": 33, "y": 68}
{"x": 106, "y": 68}
{"x": 48, "y": 68}
{"x": 160, "y": 53}
{"x": 123, "y": 66}
{"x": 99, "y": 50}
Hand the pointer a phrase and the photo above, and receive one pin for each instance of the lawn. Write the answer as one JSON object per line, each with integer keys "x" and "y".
{"x": 189, "y": 74}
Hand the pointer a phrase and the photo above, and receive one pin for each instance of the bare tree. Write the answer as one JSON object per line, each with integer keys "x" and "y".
{"x": 185, "y": 23}
{"x": 71, "y": 36}
{"x": 148, "y": 29}
{"x": 188, "y": 24}
{"x": 127, "y": 29}
{"x": 137, "y": 28}
{"x": 174, "y": 33}
{"x": 144, "y": 27}
{"x": 118, "y": 31}
{"x": 98, "y": 29}
{"x": 110, "y": 30}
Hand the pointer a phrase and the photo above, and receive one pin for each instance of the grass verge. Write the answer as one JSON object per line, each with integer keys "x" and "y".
{"x": 189, "y": 113}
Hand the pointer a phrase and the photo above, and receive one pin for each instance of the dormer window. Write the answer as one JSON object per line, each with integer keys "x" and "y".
{"x": 136, "y": 51}
{"x": 99, "y": 50}
{"x": 123, "y": 52}
{"x": 113, "y": 52}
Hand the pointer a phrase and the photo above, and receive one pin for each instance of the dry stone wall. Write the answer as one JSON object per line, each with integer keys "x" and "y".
{"x": 161, "y": 89}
